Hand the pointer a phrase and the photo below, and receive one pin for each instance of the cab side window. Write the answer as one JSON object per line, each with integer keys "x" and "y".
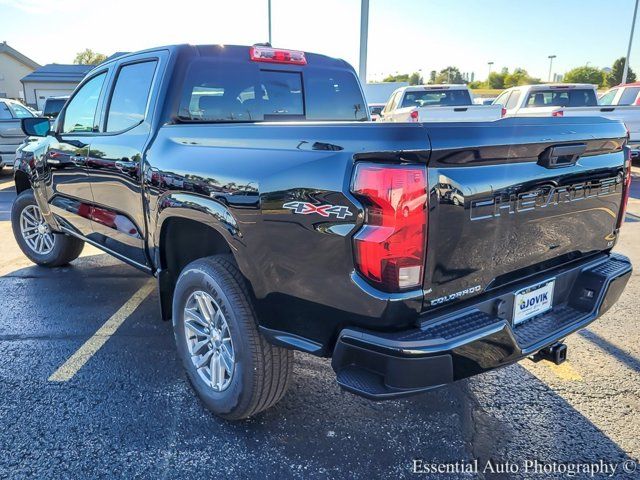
{"x": 81, "y": 111}
{"x": 502, "y": 99}
{"x": 130, "y": 95}
{"x": 513, "y": 100}
{"x": 389, "y": 106}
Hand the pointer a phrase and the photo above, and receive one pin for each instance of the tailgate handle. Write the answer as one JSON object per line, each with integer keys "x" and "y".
{"x": 561, "y": 155}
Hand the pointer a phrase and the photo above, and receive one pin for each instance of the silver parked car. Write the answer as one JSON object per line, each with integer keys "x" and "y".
{"x": 11, "y": 135}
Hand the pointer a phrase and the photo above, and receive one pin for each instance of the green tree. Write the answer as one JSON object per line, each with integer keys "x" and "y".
{"x": 496, "y": 80}
{"x": 519, "y": 77}
{"x": 449, "y": 75}
{"x": 403, "y": 77}
{"x": 415, "y": 79}
{"x": 432, "y": 76}
{"x": 584, "y": 74}
{"x": 89, "y": 57}
{"x": 615, "y": 77}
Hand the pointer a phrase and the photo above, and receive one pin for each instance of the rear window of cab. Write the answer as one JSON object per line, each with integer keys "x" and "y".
{"x": 576, "y": 97}
{"x": 222, "y": 91}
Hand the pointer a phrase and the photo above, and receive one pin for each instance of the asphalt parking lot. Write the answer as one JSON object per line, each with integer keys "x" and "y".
{"x": 127, "y": 409}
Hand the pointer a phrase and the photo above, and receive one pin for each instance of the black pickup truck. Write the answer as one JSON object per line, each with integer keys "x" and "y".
{"x": 276, "y": 217}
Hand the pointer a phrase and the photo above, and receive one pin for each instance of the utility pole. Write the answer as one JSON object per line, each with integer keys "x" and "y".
{"x": 626, "y": 60}
{"x": 364, "y": 34}
{"x": 490, "y": 65}
{"x": 550, "y": 57}
{"x": 269, "y": 7}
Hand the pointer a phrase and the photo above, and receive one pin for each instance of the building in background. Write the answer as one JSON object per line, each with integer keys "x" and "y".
{"x": 52, "y": 80}
{"x": 13, "y": 66}
{"x": 380, "y": 92}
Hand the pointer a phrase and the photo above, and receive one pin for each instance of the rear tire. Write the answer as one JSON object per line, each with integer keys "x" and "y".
{"x": 254, "y": 374}
{"x": 34, "y": 237}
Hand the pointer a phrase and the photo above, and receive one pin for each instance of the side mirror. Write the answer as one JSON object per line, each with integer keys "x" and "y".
{"x": 35, "y": 126}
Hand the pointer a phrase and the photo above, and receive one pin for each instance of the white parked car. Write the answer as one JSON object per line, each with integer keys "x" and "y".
{"x": 437, "y": 103}
{"x": 546, "y": 100}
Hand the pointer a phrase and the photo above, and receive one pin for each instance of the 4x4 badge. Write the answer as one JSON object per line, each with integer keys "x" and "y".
{"x": 306, "y": 208}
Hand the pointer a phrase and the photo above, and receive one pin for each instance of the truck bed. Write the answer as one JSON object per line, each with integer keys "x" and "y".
{"x": 479, "y": 236}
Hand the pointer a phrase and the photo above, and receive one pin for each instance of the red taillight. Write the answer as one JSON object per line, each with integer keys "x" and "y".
{"x": 558, "y": 113}
{"x": 277, "y": 55}
{"x": 626, "y": 186}
{"x": 504, "y": 112}
{"x": 391, "y": 246}
{"x": 414, "y": 116}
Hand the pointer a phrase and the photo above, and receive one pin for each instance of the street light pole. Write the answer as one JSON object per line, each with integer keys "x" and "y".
{"x": 364, "y": 34}
{"x": 626, "y": 60}
{"x": 490, "y": 65}
{"x": 550, "y": 57}
{"x": 269, "y": 14}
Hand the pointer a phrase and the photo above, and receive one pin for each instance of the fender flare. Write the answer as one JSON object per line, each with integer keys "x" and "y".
{"x": 204, "y": 210}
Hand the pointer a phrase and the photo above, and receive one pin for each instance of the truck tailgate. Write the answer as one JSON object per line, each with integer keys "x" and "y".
{"x": 500, "y": 210}
{"x": 467, "y": 113}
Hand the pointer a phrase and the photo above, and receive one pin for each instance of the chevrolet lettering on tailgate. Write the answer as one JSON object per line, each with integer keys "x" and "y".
{"x": 544, "y": 197}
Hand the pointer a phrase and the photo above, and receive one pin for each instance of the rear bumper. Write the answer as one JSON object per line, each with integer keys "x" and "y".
{"x": 479, "y": 338}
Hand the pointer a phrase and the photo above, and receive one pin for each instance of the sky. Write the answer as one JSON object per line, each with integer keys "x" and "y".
{"x": 404, "y": 35}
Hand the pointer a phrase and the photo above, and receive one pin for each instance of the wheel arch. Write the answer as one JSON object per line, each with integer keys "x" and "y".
{"x": 22, "y": 181}
{"x": 188, "y": 228}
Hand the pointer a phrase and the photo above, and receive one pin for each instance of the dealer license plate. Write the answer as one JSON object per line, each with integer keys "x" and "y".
{"x": 533, "y": 301}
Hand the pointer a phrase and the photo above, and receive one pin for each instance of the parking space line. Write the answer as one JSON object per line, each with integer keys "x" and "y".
{"x": 91, "y": 346}
{"x": 564, "y": 371}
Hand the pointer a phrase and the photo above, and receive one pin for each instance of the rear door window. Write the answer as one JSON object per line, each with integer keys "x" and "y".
{"x": 239, "y": 92}
{"x": 607, "y": 98}
{"x": 130, "y": 95}
{"x": 629, "y": 95}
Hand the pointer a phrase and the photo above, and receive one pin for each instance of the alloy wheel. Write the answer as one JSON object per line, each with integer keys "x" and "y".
{"x": 35, "y": 231}
{"x": 209, "y": 340}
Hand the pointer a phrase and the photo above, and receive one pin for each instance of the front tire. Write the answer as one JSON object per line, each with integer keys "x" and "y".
{"x": 34, "y": 237}
{"x": 233, "y": 369}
